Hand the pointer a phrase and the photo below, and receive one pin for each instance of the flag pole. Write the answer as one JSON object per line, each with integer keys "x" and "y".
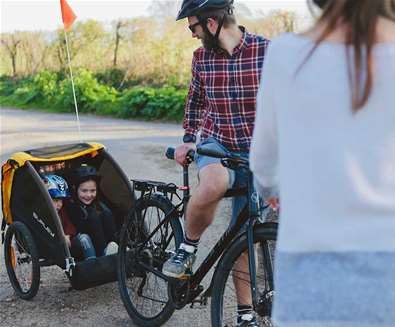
{"x": 72, "y": 85}
{"x": 68, "y": 18}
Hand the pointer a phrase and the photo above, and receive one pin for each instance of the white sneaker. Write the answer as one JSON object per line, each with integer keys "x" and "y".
{"x": 111, "y": 248}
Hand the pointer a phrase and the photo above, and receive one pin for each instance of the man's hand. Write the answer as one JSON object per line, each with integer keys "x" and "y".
{"x": 68, "y": 242}
{"x": 182, "y": 151}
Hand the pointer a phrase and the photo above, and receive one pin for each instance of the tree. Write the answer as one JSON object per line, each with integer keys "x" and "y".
{"x": 87, "y": 44}
{"x": 270, "y": 25}
{"x": 34, "y": 48}
{"x": 11, "y": 44}
{"x": 117, "y": 39}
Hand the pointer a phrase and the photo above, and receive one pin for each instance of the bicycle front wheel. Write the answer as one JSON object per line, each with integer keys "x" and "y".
{"x": 144, "y": 294}
{"x": 232, "y": 281}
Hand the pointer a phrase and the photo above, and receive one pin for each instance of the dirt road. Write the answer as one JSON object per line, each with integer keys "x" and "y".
{"x": 138, "y": 147}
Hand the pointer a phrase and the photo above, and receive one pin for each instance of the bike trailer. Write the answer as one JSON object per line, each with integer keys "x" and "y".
{"x": 34, "y": 235}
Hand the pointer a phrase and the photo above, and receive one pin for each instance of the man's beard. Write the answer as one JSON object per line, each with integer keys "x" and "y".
{"x": 209, "y": 42}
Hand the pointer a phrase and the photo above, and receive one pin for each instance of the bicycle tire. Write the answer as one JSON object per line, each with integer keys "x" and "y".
{"x": 129, "y": 271}
{"x": 224, "y": 291}
{"x": 19, "y": 251}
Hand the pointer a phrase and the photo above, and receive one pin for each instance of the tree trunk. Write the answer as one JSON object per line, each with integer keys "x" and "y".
{"x": 13, "y": 59}
{"x": 117, "y": 39}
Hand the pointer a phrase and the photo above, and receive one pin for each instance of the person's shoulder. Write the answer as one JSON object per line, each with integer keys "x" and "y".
{"x": 199, "y": 53}
{"x": 285, "y": 53}
{"x": 258, "y": 39}
{"x": 287, "y": 41}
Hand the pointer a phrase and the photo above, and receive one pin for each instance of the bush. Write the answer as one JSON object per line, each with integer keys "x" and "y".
{"x": 148, "y": 103}
{"x": 7, "y": 85}
{"x": 112, "y": 77}
{"x": 49, "y": 90}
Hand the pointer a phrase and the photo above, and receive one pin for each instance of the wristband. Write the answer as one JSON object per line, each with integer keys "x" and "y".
{"x": 189, "y": 138}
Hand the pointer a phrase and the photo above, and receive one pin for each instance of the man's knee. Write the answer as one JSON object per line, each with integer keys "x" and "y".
{"x": 213, "y": 183}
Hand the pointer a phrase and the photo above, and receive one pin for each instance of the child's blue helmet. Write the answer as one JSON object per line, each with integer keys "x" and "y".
{"x": 57, "y": 187}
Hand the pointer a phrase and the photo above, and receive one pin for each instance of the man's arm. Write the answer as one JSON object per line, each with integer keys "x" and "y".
{"x": 195, "y": 101}
{"x": 193, "y": 113}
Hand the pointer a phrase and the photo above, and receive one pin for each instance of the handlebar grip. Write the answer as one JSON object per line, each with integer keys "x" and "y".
{"x": 170, "y": 153}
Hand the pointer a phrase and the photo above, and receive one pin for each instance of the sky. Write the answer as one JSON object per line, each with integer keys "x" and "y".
{"x": 44, "y": 15}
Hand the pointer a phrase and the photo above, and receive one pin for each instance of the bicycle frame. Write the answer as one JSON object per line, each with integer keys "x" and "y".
{"x": 249, "y": 213}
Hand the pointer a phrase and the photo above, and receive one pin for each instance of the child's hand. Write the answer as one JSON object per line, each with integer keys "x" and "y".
{"x": 68, "y": 242}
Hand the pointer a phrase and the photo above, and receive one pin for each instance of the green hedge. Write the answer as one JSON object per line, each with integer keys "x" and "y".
{"x": 52, "y": 91}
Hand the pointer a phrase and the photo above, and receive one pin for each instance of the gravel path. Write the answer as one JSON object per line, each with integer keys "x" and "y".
{"x": 138, "y": 147}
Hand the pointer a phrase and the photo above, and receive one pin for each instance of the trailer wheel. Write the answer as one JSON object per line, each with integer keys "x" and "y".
{"x": 21, "y": 260}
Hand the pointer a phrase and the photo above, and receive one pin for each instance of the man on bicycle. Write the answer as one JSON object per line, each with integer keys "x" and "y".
{"x": 221, "y": 105}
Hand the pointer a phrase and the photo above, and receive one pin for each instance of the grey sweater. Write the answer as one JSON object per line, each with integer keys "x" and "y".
{"x": 335, "y": 170}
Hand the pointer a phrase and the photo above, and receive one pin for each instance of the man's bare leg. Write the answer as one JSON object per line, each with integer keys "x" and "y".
{"x": 213, "y": 183}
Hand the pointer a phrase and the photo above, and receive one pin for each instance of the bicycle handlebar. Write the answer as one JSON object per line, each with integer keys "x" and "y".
{"x": 228, "y": 159}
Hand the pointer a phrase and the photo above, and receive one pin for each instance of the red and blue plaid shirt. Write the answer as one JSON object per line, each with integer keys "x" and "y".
{"x": 222, "y": 95}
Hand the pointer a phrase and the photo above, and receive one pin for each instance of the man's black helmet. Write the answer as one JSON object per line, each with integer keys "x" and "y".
{"x": 195, "y": 7}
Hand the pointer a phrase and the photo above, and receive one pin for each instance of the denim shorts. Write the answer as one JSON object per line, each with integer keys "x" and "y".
{"x": 237, "y": 178}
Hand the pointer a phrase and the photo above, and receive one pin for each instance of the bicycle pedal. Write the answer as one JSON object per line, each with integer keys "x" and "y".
{"x": 185, "y": 277}
{"x": 188, "y": 274}
{"x": 201, "y": 301}
{"x": 182, "y": 278}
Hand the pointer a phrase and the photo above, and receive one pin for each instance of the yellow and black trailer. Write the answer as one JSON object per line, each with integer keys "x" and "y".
{"x": 31, "y": 229}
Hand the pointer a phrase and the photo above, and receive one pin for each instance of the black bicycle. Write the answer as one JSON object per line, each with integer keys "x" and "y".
{"x": 154, "y": 231}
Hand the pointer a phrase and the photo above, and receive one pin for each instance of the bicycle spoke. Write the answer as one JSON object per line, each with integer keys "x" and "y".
{"x": 150, "y": 244}
{"x": 236, "y": 283}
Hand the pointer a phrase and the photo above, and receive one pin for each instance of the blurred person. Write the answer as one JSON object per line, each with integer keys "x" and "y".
{"x": 325, "y": 137}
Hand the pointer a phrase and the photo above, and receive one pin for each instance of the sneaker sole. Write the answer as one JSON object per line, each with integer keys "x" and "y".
{"x": 176, "y": 276}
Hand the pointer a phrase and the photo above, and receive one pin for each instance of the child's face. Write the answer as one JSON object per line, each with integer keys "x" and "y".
{"x": 86, "y": 192}
{"x": 57, "y": 203}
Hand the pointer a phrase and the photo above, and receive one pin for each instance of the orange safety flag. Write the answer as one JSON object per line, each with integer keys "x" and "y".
{"x": 68, "y": 15}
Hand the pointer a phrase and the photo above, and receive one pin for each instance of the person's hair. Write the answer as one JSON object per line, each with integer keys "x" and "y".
{"x": 86, "y": 179}
{"x": 360, "y": 20}
{"x": 229, "y": 17}
{"x": 96, "y": 202}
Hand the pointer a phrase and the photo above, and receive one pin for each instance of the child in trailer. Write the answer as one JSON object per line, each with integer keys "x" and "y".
{"x": 81, "y": 246}
{"x": 90, "y": 215}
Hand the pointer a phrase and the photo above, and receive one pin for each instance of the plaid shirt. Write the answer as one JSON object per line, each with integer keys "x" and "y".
{"x": 222, "y": 95}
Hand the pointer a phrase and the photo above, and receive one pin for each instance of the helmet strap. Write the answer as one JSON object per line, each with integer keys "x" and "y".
{"x": 220, "y": 24}
{"x": 214, "y": 38}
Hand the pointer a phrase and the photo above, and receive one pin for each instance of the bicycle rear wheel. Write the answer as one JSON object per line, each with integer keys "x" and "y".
{"x": 232, "y": 284}
{"x": 144, "y": 294}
